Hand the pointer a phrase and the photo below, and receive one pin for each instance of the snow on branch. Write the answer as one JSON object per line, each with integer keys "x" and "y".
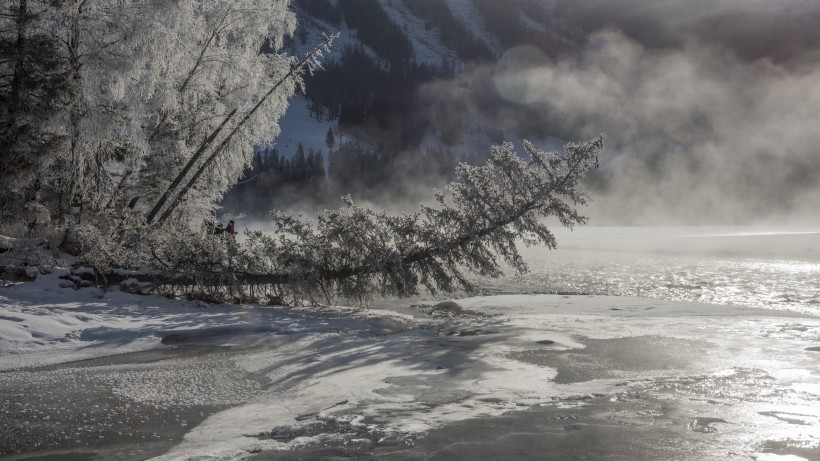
{"x": 311, "y": 61}
{"x": 476, "y": 227}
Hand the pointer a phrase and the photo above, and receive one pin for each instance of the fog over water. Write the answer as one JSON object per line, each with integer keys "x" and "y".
{"x": 762, "y": 267}
{"x": 708, "y": 120}
{"x": 711, "y": 111}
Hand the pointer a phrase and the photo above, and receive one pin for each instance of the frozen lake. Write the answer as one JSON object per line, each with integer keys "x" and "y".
{"x": 733, "y": 373}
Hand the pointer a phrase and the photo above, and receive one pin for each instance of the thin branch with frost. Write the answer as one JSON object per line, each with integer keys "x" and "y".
{"x": 309, "y": 60}
{"x": 197, "y": 63}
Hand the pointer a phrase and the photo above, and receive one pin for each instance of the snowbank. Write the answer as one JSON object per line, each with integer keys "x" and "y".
{"x": 49, "y": 321}
{"x": 394, "y": 375}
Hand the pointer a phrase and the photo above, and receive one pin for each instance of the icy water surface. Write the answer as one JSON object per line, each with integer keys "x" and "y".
{"x": 747, "y": 266}
{"x": 126, "y": 407}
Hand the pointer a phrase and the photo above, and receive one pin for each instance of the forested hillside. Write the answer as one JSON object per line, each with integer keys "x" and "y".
{"x": 461, "y": 75}
{"x": 371, "y": 90}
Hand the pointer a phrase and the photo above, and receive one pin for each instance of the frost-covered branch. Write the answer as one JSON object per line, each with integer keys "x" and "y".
{"x": 194, "y": 69}
{"x": 477, "y": 225}
{"x": 306, "y": 61}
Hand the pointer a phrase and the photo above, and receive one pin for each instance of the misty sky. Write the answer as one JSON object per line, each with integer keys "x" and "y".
{"x": 712, "y": 108}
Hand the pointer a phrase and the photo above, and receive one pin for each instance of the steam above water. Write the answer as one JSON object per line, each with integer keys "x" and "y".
{"x": 758, "y": 267}
{"x": 702, "y": 126}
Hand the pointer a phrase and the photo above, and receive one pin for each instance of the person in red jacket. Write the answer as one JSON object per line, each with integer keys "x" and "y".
{"x": 231, "y": 230}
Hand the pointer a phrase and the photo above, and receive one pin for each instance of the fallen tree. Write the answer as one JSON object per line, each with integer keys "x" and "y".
{"x": 354, "y": 252}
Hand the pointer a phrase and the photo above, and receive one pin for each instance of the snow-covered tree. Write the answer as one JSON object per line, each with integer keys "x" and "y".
{"x": 144, "y": 82}
{"x": 172, "y": 71}
{"x": 219, "y": 66}
{"x": 101, "y": 120}
{"x": 476, "y": 226}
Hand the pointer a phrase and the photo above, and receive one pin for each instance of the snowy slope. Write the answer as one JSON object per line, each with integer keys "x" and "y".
{"x": 316, "y": 28}
{"x": 548, "y": 7}
{"x": 428, "y": 48}
{"x": 468, "y": 14}
{"x": 427, "y": 45}
{"x": 297, "y": 126}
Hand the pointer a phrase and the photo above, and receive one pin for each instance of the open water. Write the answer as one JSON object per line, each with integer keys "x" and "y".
{"x": 756, "y": 267}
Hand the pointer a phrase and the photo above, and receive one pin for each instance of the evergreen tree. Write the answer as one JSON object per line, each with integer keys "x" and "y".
{"x": 299, "y": 164}
{"x": 33, "y": 92}
{"x": 287, "y": 170}
{"x": 319, "y": 165}
{"x": 310, "y": 162}
{"x": 259, "y": 160}
{"x": 274, "y": 161}
{"x": 478, "y": 223}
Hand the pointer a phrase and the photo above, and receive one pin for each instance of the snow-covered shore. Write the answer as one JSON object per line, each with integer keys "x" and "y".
{"x": 334, "y": 373}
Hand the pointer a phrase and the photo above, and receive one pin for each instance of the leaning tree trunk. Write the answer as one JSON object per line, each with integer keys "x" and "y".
{"x": 180, "y": 195}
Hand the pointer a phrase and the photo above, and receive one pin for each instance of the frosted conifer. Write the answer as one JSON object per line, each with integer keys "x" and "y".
{"x": 476, "y": 226}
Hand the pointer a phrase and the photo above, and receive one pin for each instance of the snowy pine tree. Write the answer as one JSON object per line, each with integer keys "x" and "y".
{"x": 299, "y": 163}
{"x": 478, "y": 223}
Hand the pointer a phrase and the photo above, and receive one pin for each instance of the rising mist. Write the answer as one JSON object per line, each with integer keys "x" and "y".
{"x": 703, "y": 125}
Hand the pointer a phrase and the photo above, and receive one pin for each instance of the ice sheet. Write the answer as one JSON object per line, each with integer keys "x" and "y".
{"x": 328, "y": 373}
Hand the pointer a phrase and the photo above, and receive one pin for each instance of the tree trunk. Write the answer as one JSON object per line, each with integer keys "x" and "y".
{"x": 181, "y": 195}
{"x": 191, "y": 162}
{"x": 19, "y": 61}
